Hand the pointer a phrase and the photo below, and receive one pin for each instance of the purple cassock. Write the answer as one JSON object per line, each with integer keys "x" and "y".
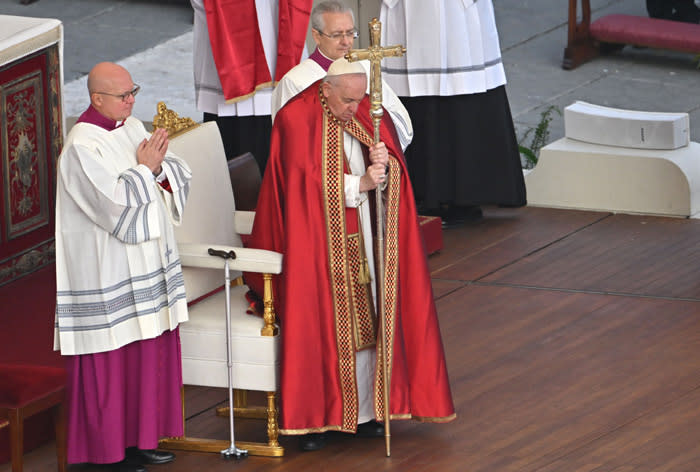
{"x": 126, "y": 397}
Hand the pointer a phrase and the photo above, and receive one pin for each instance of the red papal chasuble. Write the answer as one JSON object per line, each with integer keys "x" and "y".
{"x": 301, "y": 213}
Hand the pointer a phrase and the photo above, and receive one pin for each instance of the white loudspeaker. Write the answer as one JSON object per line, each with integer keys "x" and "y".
{"x": 626, "y": 128}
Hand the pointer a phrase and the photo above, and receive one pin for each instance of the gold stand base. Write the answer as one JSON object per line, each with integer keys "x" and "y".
{"x": 241, "y": 410}
{"x": 218, "y": 445}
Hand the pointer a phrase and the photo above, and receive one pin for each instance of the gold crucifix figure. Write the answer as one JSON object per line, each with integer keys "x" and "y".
{"x": 375, "y": 53}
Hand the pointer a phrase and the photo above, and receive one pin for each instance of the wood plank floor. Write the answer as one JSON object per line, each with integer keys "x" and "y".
{"x": 573, "y": 344}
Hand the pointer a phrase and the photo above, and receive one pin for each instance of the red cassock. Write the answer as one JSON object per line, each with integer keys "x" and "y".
{"x": 301, "y": 213}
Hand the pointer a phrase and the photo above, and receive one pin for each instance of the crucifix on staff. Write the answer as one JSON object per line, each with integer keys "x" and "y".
{"x": 375, "y": 53}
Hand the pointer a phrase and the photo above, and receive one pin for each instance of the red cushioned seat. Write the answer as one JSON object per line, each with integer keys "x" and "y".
{"x": 26, "y": 390}
{"x": 586, "y": 39}
{"x": 21, "y": 384}
{"x": 650, "y": 32}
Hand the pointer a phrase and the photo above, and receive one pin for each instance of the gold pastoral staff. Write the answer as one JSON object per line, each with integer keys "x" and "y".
{"x": 375, "y": 53}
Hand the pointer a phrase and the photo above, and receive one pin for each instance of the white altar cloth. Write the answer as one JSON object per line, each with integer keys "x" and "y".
{"x": 21, "y": 36}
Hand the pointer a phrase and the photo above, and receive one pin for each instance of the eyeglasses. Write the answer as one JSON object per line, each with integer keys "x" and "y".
{"x": 352, "y": 34}
{"x": 124, "y": 96}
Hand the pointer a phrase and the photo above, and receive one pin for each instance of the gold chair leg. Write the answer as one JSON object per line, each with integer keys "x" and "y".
{"x": 271, "y": 449}
{"x": 273, "y": 429}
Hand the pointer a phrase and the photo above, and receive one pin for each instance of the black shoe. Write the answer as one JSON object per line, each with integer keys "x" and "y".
{"x": 449, "y": 217}
{"x": 128, "y": 466}
{"x": 148, "y": 456}
{"x": 468, "y": 213}
{"x": 312, "y": 441}
{"x": 687, "y": 13}
{"x": 449, "y": 222}
{"x": 370, "y": 429}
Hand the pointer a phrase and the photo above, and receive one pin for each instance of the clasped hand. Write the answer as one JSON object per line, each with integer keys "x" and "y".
{"x": 151, "y": 152}
{"x": 375, "y": 174}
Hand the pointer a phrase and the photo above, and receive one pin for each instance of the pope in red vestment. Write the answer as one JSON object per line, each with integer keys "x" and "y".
{"x": 319, "y": 300}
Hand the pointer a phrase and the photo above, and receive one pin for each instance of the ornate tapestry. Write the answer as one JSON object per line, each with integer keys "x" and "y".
{"x": 30, "y": 139}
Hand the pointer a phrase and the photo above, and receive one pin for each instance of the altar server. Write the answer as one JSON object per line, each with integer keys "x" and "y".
{"x": 120, "y": 292}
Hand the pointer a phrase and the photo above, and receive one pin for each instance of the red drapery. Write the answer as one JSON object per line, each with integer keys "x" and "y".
{"x": 237, "y": 47}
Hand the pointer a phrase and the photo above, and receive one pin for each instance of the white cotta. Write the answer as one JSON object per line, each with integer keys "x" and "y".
{"x": 452, "y": 48}
{"x": 118, "y": 273}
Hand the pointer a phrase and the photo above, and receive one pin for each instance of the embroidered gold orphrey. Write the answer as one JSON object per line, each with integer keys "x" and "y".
{"x": 340, "y": 249}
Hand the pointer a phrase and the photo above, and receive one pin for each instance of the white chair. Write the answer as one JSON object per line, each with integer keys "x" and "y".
{"x": 211, "y": 221}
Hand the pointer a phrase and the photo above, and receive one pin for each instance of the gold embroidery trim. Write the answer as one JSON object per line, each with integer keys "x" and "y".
{"x": 312, "y": 430}
{"x": 334, "y": 201}
{"x": 364, "y": 326}
{"x": 391, "y": 279}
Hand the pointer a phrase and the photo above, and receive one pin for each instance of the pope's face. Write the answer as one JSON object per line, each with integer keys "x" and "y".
{"x": 344, "y": 94}
{"x": 337, "y": 36}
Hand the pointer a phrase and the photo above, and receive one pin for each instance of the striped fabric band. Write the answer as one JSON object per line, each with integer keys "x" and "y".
{"x": 132, "y": 226}
{"x": 446, "y": 70}
{"x": 105, "y": 308}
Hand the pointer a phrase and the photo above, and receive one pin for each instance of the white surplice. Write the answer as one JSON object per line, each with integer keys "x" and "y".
{"x": 118, "y": 272}
{"x": 452, "y": 47}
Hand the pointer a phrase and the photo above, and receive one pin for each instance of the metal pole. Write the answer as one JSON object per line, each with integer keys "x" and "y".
{"x": 232, "y": 450}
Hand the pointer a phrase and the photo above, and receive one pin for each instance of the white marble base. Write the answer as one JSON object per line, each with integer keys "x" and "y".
{"x": 577, "y": 175}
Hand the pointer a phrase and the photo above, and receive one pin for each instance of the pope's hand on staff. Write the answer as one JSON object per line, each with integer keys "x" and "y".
{"x": 376, "y": 172}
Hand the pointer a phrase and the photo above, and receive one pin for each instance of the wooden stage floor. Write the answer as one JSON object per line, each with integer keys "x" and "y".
{"x": 573, "y": 344}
